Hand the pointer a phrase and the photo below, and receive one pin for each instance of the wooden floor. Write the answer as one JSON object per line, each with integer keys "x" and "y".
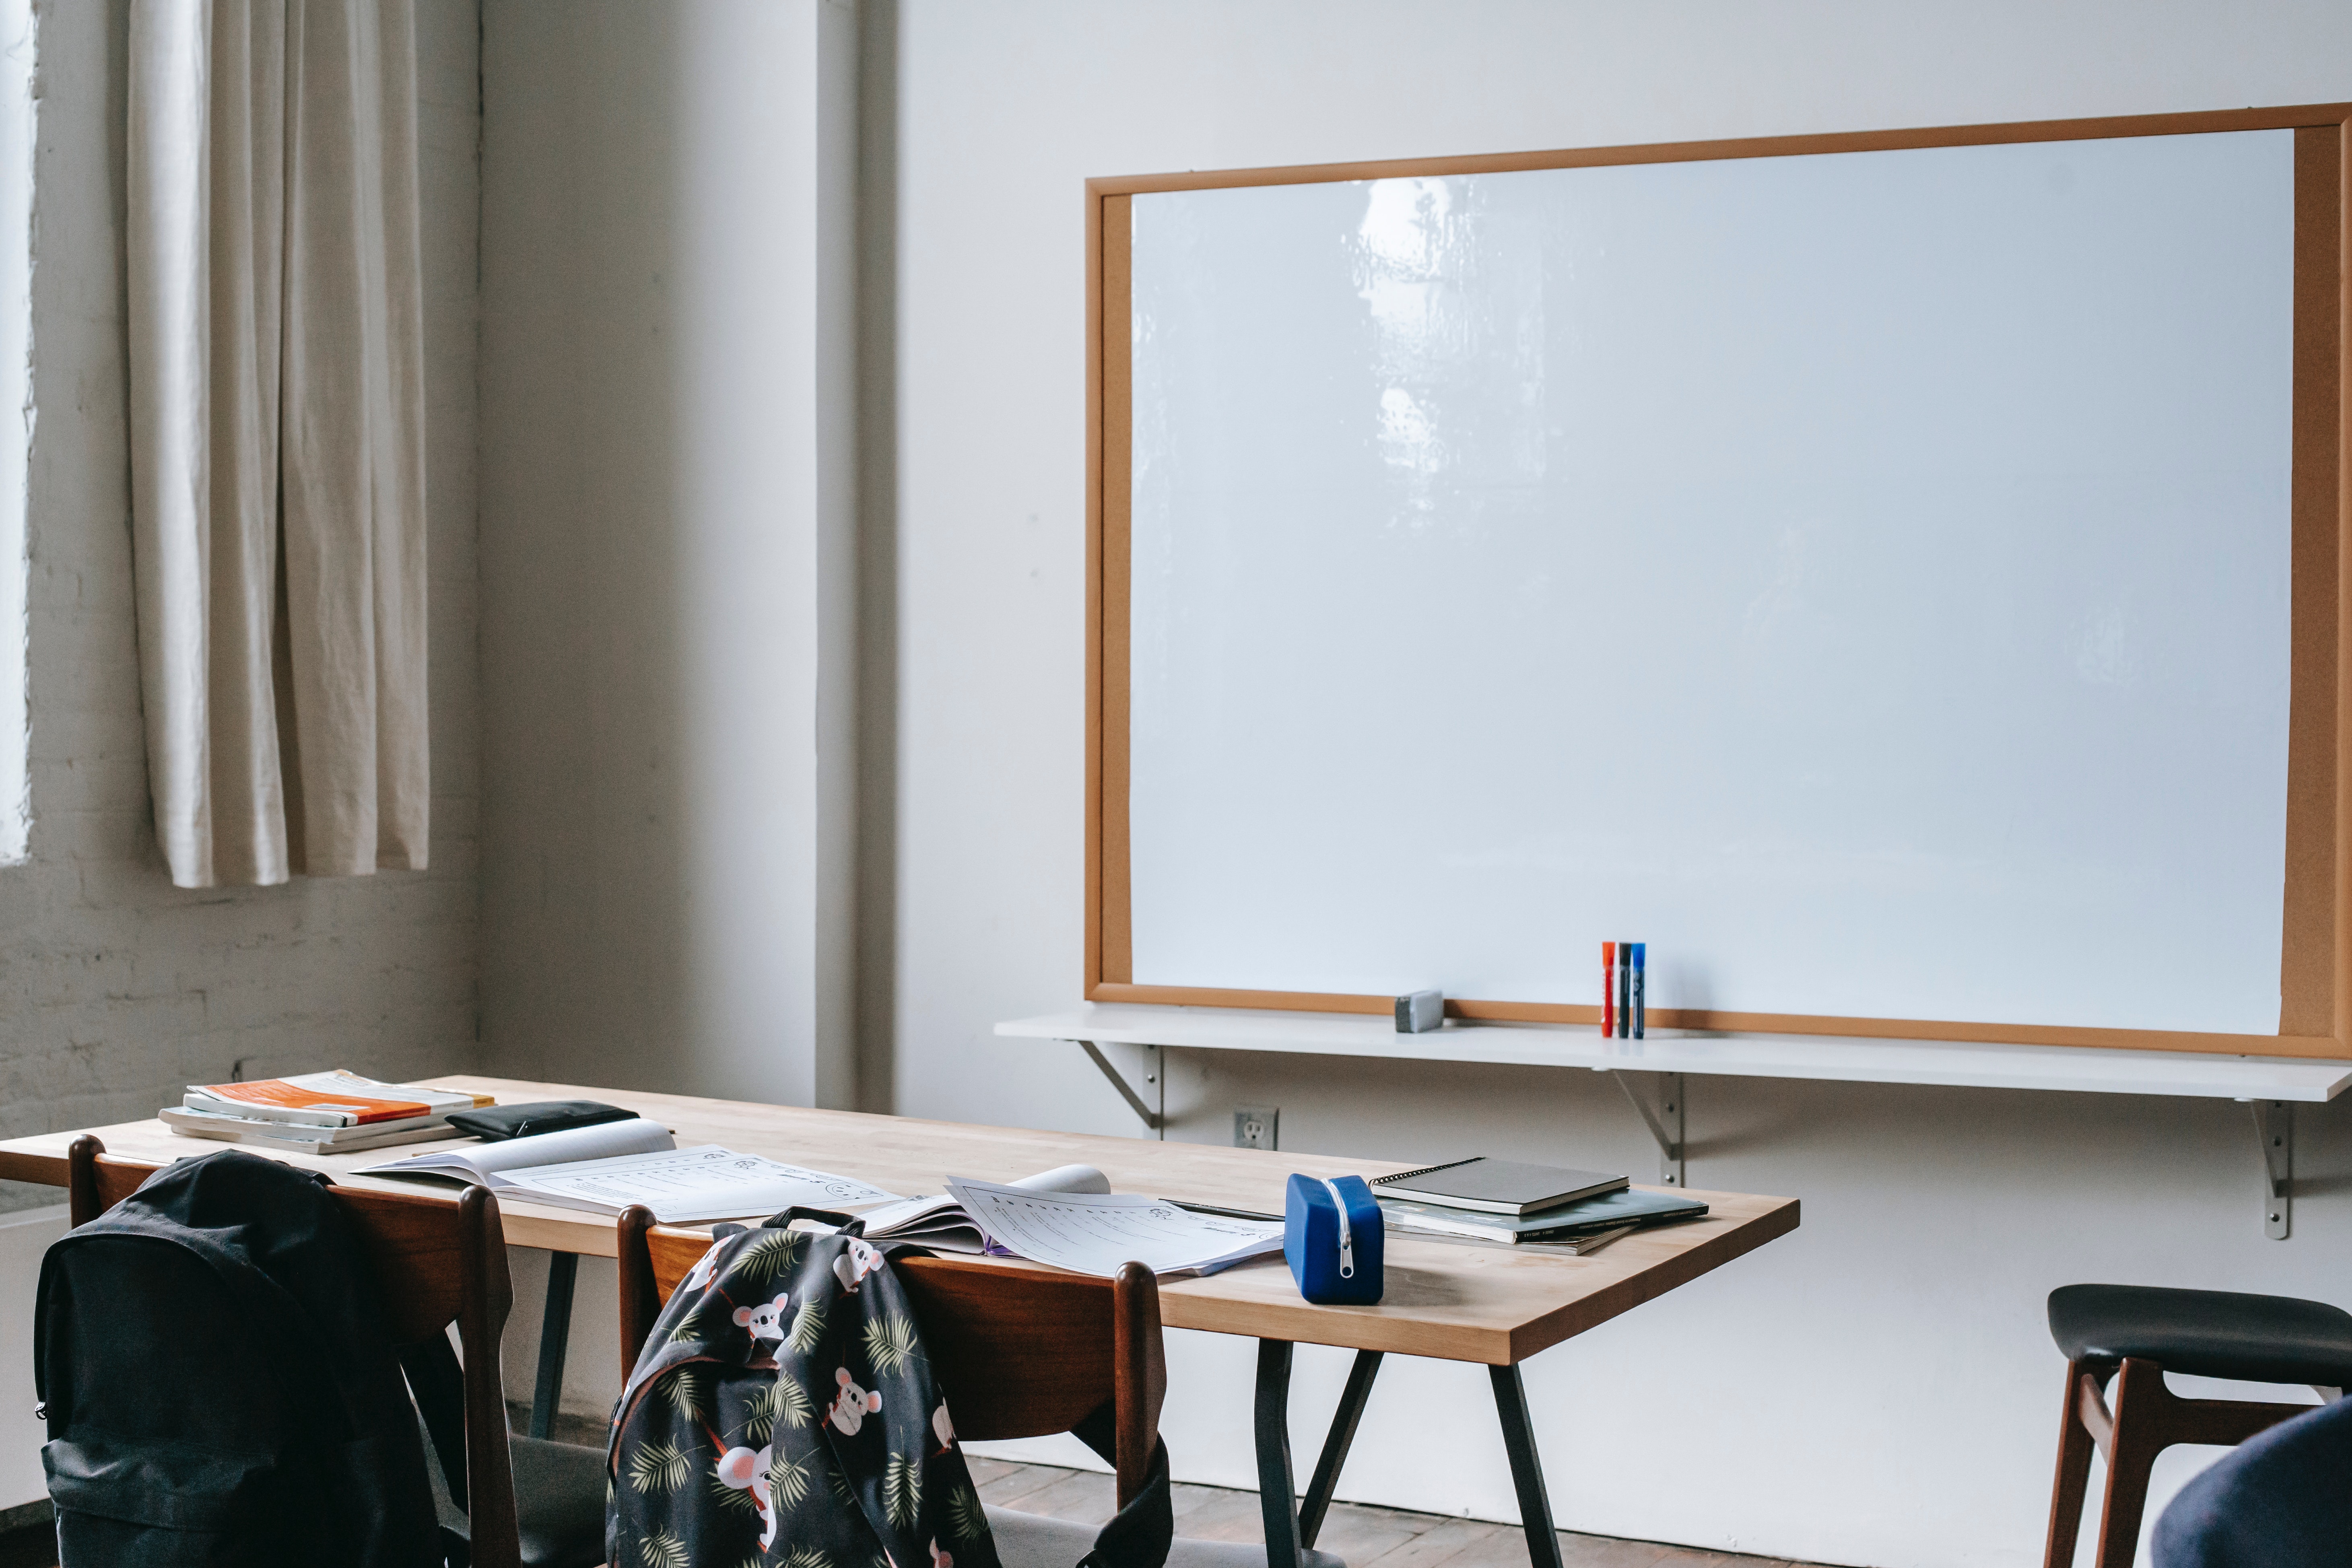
{"x": 1365, "y": 1537}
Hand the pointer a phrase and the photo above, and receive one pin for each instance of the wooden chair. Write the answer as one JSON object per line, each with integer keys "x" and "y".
{"x": 439, "y": 1262}
{"x": 2134, "y": 1334}
{"x": 1019, "y": 1351}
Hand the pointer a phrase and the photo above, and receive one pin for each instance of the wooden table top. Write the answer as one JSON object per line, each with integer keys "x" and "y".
{"x": 1490, "y": 1304}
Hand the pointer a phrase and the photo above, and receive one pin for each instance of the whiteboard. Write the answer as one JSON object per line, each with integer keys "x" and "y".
{"x": 1863, "y": 577}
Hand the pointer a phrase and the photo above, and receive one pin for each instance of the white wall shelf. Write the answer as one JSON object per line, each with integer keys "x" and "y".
{"x": 1838, "y": 1057}
{"x": 2273, "y": 1085}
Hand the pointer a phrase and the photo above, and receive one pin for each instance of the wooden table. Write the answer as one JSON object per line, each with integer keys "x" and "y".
{"x": 1490, "y": 1305}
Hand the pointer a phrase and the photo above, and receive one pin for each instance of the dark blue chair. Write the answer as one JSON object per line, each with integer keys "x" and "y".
{"x": 2283, "y": 1501}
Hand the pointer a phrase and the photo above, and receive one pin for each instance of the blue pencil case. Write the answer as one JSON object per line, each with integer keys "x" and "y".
{"x": 1331, "y": 1235}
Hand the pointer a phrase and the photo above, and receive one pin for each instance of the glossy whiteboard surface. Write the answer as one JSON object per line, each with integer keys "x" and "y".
{"x": 1863, "y": 577}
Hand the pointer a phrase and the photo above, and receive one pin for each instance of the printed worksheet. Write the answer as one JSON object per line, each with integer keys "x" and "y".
{"x": 689, "y": 1186}
{"x": 1096, "y": 1234}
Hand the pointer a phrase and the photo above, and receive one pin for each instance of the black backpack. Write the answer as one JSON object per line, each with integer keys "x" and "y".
{"x": 212, "y": 1360}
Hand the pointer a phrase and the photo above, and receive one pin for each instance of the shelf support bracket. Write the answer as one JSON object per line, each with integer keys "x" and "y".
{"x": 1153, "y": 1120}
{"x": 1665, "y": 1123}
{"x": 2274, "y": 1141}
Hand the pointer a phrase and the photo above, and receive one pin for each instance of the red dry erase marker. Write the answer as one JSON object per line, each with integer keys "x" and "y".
{"x": 1608, "y": 989}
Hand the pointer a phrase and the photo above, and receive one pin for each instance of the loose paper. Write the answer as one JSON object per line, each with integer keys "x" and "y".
{"x": 1097, "y": 1234}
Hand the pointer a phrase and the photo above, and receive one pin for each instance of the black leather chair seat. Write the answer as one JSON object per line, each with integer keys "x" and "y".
{"x": 2206, "y": 1333}
{"x": 559, "y": 1502}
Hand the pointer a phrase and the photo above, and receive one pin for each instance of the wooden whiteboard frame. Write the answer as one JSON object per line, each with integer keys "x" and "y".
{"x": 2315, "y": 951}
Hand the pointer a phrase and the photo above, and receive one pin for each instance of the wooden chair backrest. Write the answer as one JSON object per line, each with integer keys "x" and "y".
{"x": 1019, "y": 1351}
{"x": 437, "y": 1261}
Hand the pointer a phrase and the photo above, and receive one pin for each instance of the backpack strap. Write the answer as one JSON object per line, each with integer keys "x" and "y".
{"x": 438, "y": 1386}
{"x": 846, "y": 1224}
{"x": 1138, "y": 1535}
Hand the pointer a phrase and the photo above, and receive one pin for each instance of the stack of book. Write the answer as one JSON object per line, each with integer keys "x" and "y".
{"x": 1523, "y": 1206}
{"x": 318, "y": 1113}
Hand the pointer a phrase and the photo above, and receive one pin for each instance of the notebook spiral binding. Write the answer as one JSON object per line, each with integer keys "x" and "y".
{"x": 1423, "y": 1170}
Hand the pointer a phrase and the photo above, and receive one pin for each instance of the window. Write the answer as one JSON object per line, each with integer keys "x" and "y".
{"x": 16, "y": 123}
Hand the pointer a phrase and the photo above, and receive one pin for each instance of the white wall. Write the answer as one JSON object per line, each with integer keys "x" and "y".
{"x": 1877, "y": 1388}
{"x": 24, "y": 1237}
{"x": 666, "y": 582}
{"x": 118, "y": 988}
{"x": 668, "y": 486}
{"x": 668, "y": 258}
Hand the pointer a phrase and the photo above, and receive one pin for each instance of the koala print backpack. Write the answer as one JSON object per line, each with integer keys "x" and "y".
{"x": 783, "y": 1413}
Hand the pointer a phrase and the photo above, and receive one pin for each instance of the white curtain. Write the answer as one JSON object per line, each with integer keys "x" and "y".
{"x": 276, "y": 434}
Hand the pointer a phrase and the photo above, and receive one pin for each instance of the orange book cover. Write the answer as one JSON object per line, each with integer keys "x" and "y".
{"x": 278, "y": 1091}
{"x": 346, "y": 1097}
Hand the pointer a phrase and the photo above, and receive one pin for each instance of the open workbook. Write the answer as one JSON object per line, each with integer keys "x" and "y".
{"x": 1097, "y": 1231}
{"x": 942, "y": 1223}
{"x": 1069, "y": 1218}
{"x": 606, "y": 1168}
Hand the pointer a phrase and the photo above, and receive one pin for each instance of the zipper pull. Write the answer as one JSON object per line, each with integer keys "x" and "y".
{"x": 1347, "y": 1241}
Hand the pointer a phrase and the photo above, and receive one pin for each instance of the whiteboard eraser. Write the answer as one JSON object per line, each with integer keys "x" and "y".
{"x": 1420, "y": 1011}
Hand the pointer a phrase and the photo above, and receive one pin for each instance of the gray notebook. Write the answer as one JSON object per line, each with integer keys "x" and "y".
{"x": 1609, "y": 1212}
{"x": 1496, "y": 1186}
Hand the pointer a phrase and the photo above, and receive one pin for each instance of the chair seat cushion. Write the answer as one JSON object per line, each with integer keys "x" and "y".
{"x": 558, "y": 1503}
{"x": 2206, "y": 1333}
{"x": 1034, "y": 1541}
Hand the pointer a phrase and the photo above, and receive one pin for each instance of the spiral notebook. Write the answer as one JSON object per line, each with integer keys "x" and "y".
{"x": 1496, "y": 1186}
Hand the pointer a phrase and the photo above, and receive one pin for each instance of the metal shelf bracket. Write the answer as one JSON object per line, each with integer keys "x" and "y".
{"x": 1664, "y": 1122}
{"x": 1155, "y": 1078}
{"x": 2274, "y": 1144}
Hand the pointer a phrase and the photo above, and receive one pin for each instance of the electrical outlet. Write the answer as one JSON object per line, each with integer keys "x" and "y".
{"x": 1255, "y": 1126}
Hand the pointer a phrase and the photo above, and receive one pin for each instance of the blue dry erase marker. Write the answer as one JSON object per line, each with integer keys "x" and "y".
{"x": 1640, "y": 978}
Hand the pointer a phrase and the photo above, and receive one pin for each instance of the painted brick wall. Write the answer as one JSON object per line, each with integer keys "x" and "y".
{"x": 116, "y": 988}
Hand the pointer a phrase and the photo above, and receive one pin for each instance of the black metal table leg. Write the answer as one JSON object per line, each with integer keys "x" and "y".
{"x": 1277, "y": 1499}
{"x": 554, "y": 1338}
{"x": 1527, "y": 1466}
{"x": 1335, "y": 1445}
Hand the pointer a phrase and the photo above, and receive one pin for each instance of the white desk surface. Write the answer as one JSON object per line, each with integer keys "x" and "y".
{"x": 1836, "y": 1057}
